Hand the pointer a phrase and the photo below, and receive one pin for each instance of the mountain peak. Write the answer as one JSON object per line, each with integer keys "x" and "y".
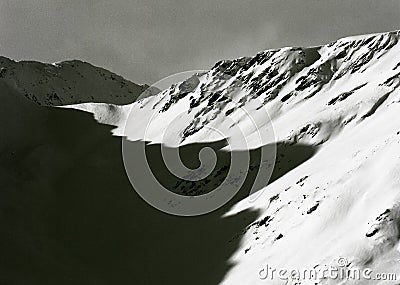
{"x": 67, "y": 82}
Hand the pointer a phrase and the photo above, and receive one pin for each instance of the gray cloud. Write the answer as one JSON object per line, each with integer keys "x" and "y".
{"x": 147, "y": 40}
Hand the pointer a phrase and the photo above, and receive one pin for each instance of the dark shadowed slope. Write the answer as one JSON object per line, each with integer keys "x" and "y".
{"x": 68, "y": 213}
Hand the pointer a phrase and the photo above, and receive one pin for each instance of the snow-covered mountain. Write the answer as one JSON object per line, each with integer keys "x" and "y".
{"x": 67, "y": 82}
{"x": 342, "y": 97}
{"x": 330, "y": 112}
{"x": 319, "y": 90}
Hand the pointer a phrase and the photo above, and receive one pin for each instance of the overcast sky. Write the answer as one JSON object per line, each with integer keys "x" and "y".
{"x": 148, "y": 40}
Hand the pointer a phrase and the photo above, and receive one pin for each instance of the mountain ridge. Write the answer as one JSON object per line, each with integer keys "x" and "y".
{"x": 67, "y": 82}
{"x": 274, "y": 80}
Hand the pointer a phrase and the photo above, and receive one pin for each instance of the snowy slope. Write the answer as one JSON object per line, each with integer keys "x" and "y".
{"x": 344, "y": 201}
{"x": 320, "y": 88}
{"x": 67, "y": 82}
{"x": 342, "y": 97}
